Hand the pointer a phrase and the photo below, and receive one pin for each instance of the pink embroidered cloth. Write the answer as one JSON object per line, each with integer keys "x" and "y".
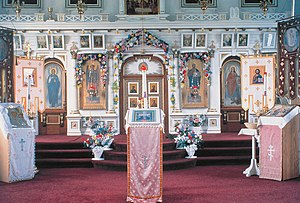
{"x": 144, "y": 164}
{"x": 270, "y": 154}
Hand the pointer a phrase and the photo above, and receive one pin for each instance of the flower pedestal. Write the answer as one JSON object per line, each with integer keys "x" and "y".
{"x": 98, "y": 151}
{"x": 196, "y": 129}
{"x": 191, "y": 150}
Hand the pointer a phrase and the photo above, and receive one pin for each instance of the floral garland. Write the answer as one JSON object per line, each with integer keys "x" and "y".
{"x": 135, "y": 38}
{"x": 82, "y": 58}
{"x": 185, "y": 57}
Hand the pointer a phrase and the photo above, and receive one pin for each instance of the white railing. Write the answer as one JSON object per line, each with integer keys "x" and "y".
{"x": 22, "y": 18}
{"x": 61, "y": 17}
{"x": 196, "y": 17}
{"x": 261, "y": 16}
{"x": 87, "y": 18}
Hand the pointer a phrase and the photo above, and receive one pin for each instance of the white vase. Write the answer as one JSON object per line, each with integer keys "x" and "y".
{"x": 196, "y": 129}
{"x": 97, "y": 151}
{"x": 191, "y": 149}
{"x": 108, "y": 144}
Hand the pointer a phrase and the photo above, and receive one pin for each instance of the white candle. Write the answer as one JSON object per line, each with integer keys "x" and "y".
{"x": 250, "y": 108}
{"x": 265, "y": 89}
{"x": 28, "y": 91}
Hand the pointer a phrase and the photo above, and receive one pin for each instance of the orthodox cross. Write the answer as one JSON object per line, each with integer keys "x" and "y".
{"x": 22, "y": 141}
{"x": 270, "y": 152}
{"x": 145, "y": 161}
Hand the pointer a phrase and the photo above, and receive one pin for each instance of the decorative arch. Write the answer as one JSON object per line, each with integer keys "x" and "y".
{"x": 136, "y": 39}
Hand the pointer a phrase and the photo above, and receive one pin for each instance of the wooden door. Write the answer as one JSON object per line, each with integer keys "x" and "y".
{"x": 131, "y": 86}
{"x": 233, "y": 116}
{"x": 53, "y": 120}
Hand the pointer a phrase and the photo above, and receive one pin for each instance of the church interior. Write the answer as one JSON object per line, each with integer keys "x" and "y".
{"x": 149, "y": 101}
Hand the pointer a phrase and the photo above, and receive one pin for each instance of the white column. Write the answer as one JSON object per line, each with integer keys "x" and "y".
{"x": 110, "y": 91}
{"x": 162, "y": 7}
{"x": 144, "y": 88}
{"x": 73, "y": 91}
{"x": 177, "y": 87}
{"x": 121, "y": 7}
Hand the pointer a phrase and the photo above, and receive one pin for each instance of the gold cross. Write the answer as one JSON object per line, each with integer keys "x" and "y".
{"x": 257, "y": 103}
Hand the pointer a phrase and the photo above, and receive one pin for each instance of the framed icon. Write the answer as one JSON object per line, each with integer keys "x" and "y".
{"x": 242, "y": 40}
{"x": 85, "y": 41}
{"x": 291, "y": 39}
{"x": 187, "y": 40}
{"x": 153, "y": 87}
{"x": 153, "y": 102}
{"x": 200, "y": 40}
{"x": 133, "y": 102}
{"x": 42, "y": 42}
{"x": 195, "y": 3}
{"x": 17, "y": 42}
{"x": 58, "y": 42}
{"x": 26, "y": 3}
{"x": 89, "y": 3}
{"x": 227, "y": 40}
{"x": 141, "y": 7}
{"x": 98, "y": 41}
{"x": 32, "y": 73}
{"x": 133, "y": 88}
{"x": 269, "y": 39}
{"x": 256, "y": 3}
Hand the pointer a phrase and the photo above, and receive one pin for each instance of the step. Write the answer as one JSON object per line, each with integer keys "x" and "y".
{"x": 224, "y": 151}
{"x": 63, "y": 153}
{"x": 167, "y": 165}
{"x": 122, "y": 156}
{"x": 64, "y": 163}
{"x": 122, "y": 146}
{"x": 59, "y": 145}
{"x": 227, "y": 143}
{"x": 223, "y": 160}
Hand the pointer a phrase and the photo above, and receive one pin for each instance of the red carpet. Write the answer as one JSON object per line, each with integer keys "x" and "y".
{"x": 199, "y": 184}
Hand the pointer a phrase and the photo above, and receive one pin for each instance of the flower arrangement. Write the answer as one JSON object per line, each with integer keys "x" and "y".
{"x": 186, "y": 136}
{"x": 197, "y": 120}
{"x": 135, "y": 38}
{"x": 102, "y": 134}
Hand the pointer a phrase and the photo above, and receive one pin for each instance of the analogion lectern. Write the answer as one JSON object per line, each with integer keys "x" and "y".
{"x": 17, "y": 143}
{"x": 278, "y": 152}
{"x": 144, "y": 129}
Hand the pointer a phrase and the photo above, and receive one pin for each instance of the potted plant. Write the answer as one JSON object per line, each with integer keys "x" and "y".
{"x": 187, "y": 139}
{"x": 101, "y": 136}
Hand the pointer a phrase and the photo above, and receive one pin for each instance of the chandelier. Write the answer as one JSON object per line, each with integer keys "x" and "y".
{"x": 81, "y": 7}
{"x": 203, "y": 5}
{"x": 264, "y": 6}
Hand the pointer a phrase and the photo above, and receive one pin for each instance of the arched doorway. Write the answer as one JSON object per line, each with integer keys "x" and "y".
{"x": 233, "y": 116}
{"x": 53, "y": 118}
{"x": 131, "y": 86}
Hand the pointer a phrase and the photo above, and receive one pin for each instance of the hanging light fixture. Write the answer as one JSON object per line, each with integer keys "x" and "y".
{"x": 18, "y": 4}
{"x": 264, "y": 6}
{"x": 81, "y": 7}
{"x": 203, "y": 5}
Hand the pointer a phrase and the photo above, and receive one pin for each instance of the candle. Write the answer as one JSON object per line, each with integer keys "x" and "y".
{"x": 265, "y": 89}
{"x": 28, "y": 92}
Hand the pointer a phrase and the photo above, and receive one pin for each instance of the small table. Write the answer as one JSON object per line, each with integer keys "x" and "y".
{"x": 253, "y": 168}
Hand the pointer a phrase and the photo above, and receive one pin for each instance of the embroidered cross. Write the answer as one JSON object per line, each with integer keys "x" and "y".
{"x": 145, "y": 161}
{"x": 22, "y": 144}
{"x": 270, "y": 152}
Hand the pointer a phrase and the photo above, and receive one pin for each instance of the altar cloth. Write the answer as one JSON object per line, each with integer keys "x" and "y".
{"x": 144, "y": 164}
